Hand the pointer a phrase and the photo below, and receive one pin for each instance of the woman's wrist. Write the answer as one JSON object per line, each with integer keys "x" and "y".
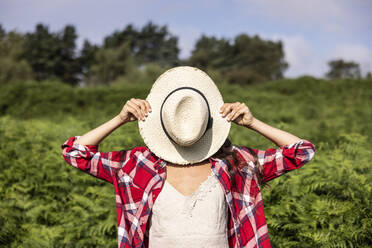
{"x": 118, "y": 120}
{"x": 254, "y": 124}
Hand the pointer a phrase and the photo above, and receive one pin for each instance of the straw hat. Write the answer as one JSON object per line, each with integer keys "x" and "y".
{"x": 185, "y": 125}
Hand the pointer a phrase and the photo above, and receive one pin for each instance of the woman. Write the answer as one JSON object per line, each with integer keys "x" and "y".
{"x": 189, "y": 186}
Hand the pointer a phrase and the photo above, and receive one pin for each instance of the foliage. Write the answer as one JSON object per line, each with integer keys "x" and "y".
{"x": 146, "y": 74}
{"x": 110, "y": 64}
{"x": 208, "y": 52}
{"x": 44, "y": 202}
{"x": 151, "y": 44}
{"x": 87, "y": 59}
{"x": 45, "y": 55}
{"x": 52, "y": 55}
{"x": 41, "y": 199}
{"x": 328, "y": 204}
{"x": 12, "y": 67}
{"x": 244, "y": 61}
{"x": 343, "y": 69}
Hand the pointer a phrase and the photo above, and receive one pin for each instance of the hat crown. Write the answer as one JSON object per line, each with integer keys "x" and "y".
{"x": 185, "y": 116}
{"x": 210, "y": 135}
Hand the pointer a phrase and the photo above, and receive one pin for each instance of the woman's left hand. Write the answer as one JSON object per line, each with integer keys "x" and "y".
{"x": 238, "y": 113}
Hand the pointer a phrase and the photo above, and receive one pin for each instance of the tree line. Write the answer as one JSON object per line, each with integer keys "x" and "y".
{"x": 46, "y": 55}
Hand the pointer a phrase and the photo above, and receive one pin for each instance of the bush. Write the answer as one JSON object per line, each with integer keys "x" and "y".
{"x": 327, "y": 203}
{"x": 44, "y": 202}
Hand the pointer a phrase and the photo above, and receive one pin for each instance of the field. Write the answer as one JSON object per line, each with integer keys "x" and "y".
{"x": 44, "y": 202}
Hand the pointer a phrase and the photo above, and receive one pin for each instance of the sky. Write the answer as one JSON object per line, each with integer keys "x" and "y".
{"x": 313, "y": 32}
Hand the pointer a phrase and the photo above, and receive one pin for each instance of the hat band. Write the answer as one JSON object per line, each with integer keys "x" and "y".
{"x": 210, "y": 120}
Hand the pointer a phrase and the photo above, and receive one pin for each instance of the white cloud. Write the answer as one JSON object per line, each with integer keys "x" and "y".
{"x": 303, "y": 59}
{"x": 329, "y": 15}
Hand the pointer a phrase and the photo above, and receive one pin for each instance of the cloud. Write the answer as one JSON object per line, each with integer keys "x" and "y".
{"x": 305, "y": 59}
{"x": 302, "y": 57}
{"x": 329, "y": 16}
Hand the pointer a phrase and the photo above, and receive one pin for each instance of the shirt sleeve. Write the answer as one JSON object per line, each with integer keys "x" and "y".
{"x": 275, "y": 162}
{"x": 88, "y": 159}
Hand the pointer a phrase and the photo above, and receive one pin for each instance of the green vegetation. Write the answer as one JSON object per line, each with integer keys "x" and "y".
{"x": 44, "y": 202}
{"x": 48, "y": 55}
{"x": 343, "y": 69}
{"x": 245, "y": 60}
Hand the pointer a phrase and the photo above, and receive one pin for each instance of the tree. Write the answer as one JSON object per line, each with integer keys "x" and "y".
{"x": 265, "y": 58}
{"x": 128, "y": 35}
{"x": 2, "y": 32}
{"x": 343, "y": 69}
{"x": 52, "y": 55}
{"x": 156, "y": 44}
{"x": 151, "y": 44}
{"x": 12, "y": 67}
{"x": 245, "y": 60}
{"x": 68, "y": 67}
{"x": 41, "y": 52}
{"x": 87, "y": 59}
{"x": 110, "y": 63}
{"x": 210, "y": 52}
{"x": 369, "y": 75}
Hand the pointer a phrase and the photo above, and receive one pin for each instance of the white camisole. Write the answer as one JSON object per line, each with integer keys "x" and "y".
{"x": 199, "y": 220}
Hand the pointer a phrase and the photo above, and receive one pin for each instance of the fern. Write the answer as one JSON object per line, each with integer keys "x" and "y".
{"x": 46, "y": 203}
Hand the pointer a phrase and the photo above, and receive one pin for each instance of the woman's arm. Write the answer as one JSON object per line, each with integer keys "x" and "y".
{"x": 291, "y": 154}
{"x": 241, "y": 115}
{"x": 82, "y": 152}
{"x": 133, "y": 109}
{"x": 95, "y": 136}
{"x": 279, "y": 137}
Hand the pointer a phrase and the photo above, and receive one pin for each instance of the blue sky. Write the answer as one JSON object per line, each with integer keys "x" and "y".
{"x": 313, "y": 32}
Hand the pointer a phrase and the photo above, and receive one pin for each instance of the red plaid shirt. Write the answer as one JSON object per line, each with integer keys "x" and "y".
{"x": 138, "y": 176}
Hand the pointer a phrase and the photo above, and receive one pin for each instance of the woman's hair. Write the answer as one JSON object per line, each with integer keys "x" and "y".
{"x": 226, "y": 151}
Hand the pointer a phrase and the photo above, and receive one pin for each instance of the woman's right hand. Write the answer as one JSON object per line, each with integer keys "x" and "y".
{"x": 135, "y": 109}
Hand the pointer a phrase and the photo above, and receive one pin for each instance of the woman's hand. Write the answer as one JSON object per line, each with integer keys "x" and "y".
{"x": 238, "y": 113}
{"x": 135, "y": 109}
{"x": 241, "y": 115}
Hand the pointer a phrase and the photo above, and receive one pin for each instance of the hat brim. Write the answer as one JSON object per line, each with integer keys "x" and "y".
{"x": 152, "y": 131}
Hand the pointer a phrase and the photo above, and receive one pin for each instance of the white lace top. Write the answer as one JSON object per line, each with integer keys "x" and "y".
{"x": 199, "y": 220}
